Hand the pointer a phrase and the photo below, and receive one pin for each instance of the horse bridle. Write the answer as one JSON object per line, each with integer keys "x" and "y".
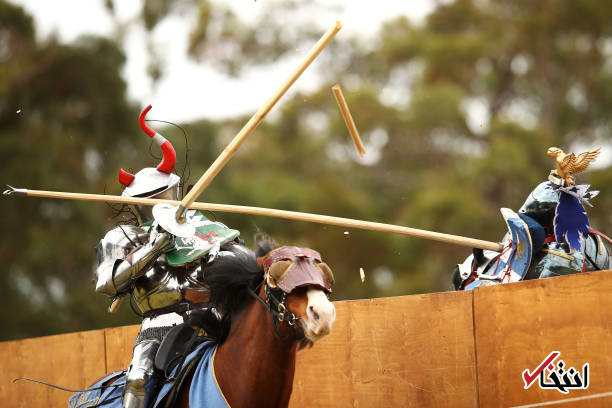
{"x": 308, "y": 273}
{"x": 279, "y": 312}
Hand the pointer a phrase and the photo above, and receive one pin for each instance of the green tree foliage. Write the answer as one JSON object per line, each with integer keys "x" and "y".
{"x": 536, "y": 75}
{"x": 224, "y": 40}
{"x": 63, "y": 118}
{"x": 456, "y": 114}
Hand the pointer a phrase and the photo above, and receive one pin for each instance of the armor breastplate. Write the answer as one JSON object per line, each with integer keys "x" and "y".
{"x": 162, "y": 287}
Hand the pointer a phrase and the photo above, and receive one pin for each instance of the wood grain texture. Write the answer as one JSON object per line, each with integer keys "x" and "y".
{"x": 400, "y": 352}
{"x": 348, "y": 119}
{"x": 518, "y": 325}
{"x": 119, "y": 345}
{"x": 419, "y": 350}
{"x": 72, "y": 360}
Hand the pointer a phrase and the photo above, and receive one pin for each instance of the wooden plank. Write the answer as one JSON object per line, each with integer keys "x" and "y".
{"x": 72, "y": 360}
{"x": 518, "y": 325}
{"x": 328, "y": 361}
{"x": 403, "y": 351}
{"x": 119, "y": 345}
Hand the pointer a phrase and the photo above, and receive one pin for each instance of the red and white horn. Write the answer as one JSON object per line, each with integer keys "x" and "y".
{"x": 169, "y": 154}
{"x": 125, "y": 178}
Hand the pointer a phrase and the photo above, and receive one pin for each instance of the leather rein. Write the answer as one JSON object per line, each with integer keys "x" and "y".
{"x": 279, "y": 312}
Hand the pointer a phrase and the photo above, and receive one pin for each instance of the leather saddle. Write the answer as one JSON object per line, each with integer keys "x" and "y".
{"x": 200, "y": 325}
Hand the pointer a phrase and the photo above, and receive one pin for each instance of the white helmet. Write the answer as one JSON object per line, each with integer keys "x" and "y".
{"x": 151, "y": 182}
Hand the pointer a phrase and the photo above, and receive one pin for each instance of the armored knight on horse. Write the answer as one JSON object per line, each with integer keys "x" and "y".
{"x": 161, "y": 272}
{"x": 163, "y": 260}
{"x": 550, "y": 235}
{"x": 160, "y": 262}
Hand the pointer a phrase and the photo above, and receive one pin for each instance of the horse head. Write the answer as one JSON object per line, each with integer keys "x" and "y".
{"x": 276, "y": 302}
{"x": 296, "y": 285}
{"x": 291, "y": 283}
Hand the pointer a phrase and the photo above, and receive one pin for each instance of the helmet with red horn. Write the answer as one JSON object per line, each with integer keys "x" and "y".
{"x": 157, "y": 182}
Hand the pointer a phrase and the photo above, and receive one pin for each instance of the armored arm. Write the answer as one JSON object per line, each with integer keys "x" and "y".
{"x": 122, "y": 258}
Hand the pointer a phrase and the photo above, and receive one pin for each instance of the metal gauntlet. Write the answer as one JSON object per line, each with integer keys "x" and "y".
{"x": 116, "y": 275}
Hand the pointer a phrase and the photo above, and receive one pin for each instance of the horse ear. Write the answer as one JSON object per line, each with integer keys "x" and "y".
{"x": 328, "y": 275}
{"x": 277, "y": 271}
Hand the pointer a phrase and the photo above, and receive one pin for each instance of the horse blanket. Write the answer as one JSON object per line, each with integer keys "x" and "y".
{"x": 204, "y": 392}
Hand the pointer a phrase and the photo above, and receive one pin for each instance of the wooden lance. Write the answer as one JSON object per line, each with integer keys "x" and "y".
{"x": 255, "y": 120}
{"x": 269, "y": 212}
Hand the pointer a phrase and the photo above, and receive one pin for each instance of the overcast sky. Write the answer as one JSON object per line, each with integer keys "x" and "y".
{"x": 191, "y": 90}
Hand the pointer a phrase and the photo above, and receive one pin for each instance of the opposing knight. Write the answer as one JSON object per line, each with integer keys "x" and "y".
{"x": 556, "y": 234}
{"x": 161, "y": 273}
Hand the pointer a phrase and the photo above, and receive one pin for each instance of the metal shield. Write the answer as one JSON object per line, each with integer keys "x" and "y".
{"x": 514, "y": 261}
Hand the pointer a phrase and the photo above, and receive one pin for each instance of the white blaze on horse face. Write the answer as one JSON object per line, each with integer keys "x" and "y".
{"x": 321, "y": 314}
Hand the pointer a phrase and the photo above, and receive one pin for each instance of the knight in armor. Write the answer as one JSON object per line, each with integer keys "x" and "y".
{"x": 161, "y": 272}
{"x": 562, "y": 241}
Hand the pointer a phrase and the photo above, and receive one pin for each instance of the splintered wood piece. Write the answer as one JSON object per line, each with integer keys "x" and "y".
{"x": 255, "y": 120}
{"x": 348, "y": 119}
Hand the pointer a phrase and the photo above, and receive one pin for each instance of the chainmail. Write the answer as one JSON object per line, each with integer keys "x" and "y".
{"x": 152, "y": 333}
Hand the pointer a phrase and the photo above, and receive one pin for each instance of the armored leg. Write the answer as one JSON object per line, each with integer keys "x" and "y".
{"x": 140, "y": 378}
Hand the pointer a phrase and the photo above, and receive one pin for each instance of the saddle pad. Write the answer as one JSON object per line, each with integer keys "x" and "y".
{"x": 110, "y": 397}
{"x": 204, "y": 392}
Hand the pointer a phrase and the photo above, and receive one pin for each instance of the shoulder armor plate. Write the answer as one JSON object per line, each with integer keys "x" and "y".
{"x": 119, "y": 241}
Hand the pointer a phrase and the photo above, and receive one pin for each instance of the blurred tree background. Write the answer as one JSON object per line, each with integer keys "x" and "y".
{"x": 456, "y": 114}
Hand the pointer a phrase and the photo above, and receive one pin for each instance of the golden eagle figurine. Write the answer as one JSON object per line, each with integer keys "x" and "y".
{"x": 568, "y": 164}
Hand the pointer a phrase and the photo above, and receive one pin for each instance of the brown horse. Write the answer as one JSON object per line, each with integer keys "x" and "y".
{"x": 254, "y": 366}
{"x": 271, "y": 306}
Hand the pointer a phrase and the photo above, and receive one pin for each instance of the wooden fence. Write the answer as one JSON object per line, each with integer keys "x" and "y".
{"x": 451, "y": 349}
